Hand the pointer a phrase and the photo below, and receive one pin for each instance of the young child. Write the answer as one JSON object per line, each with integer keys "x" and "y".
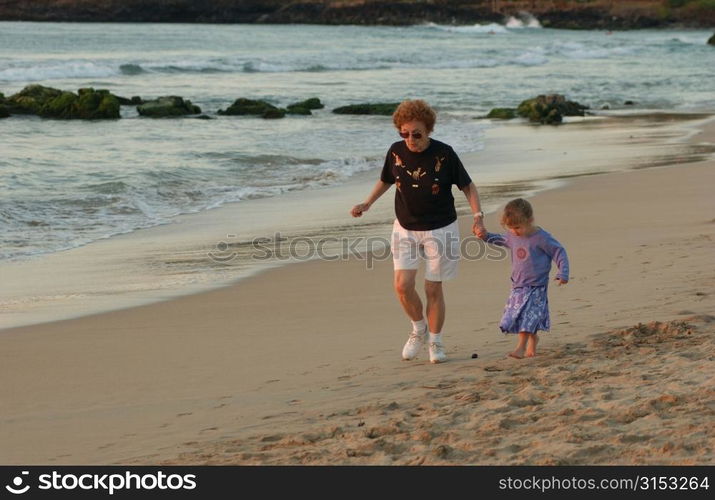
{"x": 532, "y": 250}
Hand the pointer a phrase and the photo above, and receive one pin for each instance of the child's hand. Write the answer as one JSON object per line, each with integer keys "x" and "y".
{"x": 562, "y": 281}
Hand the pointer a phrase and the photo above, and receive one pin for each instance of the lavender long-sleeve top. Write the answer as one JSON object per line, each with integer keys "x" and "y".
{"x": 531, "y": 257}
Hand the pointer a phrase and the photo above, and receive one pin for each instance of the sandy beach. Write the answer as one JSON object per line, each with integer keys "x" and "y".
{"x": 301, "y": 364}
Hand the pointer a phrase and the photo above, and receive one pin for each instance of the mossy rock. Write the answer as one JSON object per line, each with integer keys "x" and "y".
{"x": 168, "y": 106}
{"x": 304, "y": 107}
{"x": 312, "y": 103}
{"x": 4, "y": 113}
{"x": 274, "y": 113}
{"x": 96, "y": 104}
{"x": 711, "y": 40}
{"x": 31, "y": 99}
{"x": 134, "y": 101}
{"x": 549, "y": 109}
{"x": 61, "y": 106}
{"x": 368, "y": 109}
{"x": 88, "y": 104}
{"x": 502, "y": 113}
{"x": 243, "y": 106}
{"x": 295, "y": 109}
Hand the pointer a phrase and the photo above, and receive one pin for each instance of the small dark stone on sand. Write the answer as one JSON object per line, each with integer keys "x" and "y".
{"x": 475, "y": 355}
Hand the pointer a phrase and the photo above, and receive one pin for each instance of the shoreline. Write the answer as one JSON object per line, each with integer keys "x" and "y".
{"x": 300, "y": 364}
{"x": 194, "y": 253}
{"x": 572, "y": 15}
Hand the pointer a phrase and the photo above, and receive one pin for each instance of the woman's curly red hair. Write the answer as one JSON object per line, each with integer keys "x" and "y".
{"x": 415, "y": 110}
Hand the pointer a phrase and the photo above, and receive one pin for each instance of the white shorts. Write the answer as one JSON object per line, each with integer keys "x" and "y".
{"x": 439, "y": 247}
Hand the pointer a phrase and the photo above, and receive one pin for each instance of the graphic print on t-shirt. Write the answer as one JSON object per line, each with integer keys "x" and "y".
{"x": 419, "y": 173}
{"x": 398, "y": 160}
{"x": 415, "y": 174}
{"x": 521, "y": 253}
{"x": 438, "y": 163}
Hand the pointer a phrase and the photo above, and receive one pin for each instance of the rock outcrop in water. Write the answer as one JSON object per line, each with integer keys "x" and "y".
{"x": 502, "y": 113}
{"x": 86, "y": 104}
{"x": 576, "y": 14}
{"x": 243, "y": 107}
{"x": 549, "y": 109}
{"x": 168, "y": 106}
{"x": 4, "y": 113}
{"x": 545, "y": 109}
{"x": 305, "y": 107}
{"x": 385, "y": 108}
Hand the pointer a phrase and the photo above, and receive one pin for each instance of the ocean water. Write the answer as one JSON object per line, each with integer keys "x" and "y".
{"x": 65, "y": 184}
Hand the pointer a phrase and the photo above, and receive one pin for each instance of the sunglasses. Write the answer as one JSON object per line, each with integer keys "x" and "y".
{"x": 415, "y": 135}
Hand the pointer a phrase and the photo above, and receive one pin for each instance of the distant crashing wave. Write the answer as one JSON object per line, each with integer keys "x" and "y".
{"x": 525, "y": 20}
{"x": 491, "y": 28}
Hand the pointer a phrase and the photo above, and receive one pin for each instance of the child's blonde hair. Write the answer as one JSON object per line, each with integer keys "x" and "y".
{"x": 516, "y": 213}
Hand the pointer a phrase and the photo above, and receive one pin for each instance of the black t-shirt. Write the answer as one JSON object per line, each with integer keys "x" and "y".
{"x": 423, "y": 199}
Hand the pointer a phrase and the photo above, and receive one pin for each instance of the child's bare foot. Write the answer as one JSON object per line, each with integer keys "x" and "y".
{"x": 531, "y": 345}
{"x": 518, "y": 353}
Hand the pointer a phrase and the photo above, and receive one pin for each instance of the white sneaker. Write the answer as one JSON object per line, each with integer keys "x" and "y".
{"x": 436, "y": 353}
{"x": 414, "y": 344}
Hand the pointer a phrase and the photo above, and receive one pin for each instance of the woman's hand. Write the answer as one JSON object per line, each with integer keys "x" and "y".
{"x": 358, "y": 209}
{"x": 479, "y": 230}
{"x": 562, "y": 281}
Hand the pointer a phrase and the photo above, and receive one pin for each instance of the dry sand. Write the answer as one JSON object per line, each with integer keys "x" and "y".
{"x": 301, "y": 365}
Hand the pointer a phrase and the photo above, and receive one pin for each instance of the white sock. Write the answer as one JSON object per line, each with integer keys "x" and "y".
{"x": 435, "y": 337}
{"x": 419, "y": 326}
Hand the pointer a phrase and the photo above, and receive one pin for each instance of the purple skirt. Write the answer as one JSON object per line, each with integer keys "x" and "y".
{"x": 526, "y": 310}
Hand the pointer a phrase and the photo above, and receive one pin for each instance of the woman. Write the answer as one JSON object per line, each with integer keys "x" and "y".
{"x": 423, "y": 171}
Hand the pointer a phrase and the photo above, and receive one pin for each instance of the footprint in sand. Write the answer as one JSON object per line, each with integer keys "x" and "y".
{"x": 184, "y": 414}
{"x": 271, "y": 438}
